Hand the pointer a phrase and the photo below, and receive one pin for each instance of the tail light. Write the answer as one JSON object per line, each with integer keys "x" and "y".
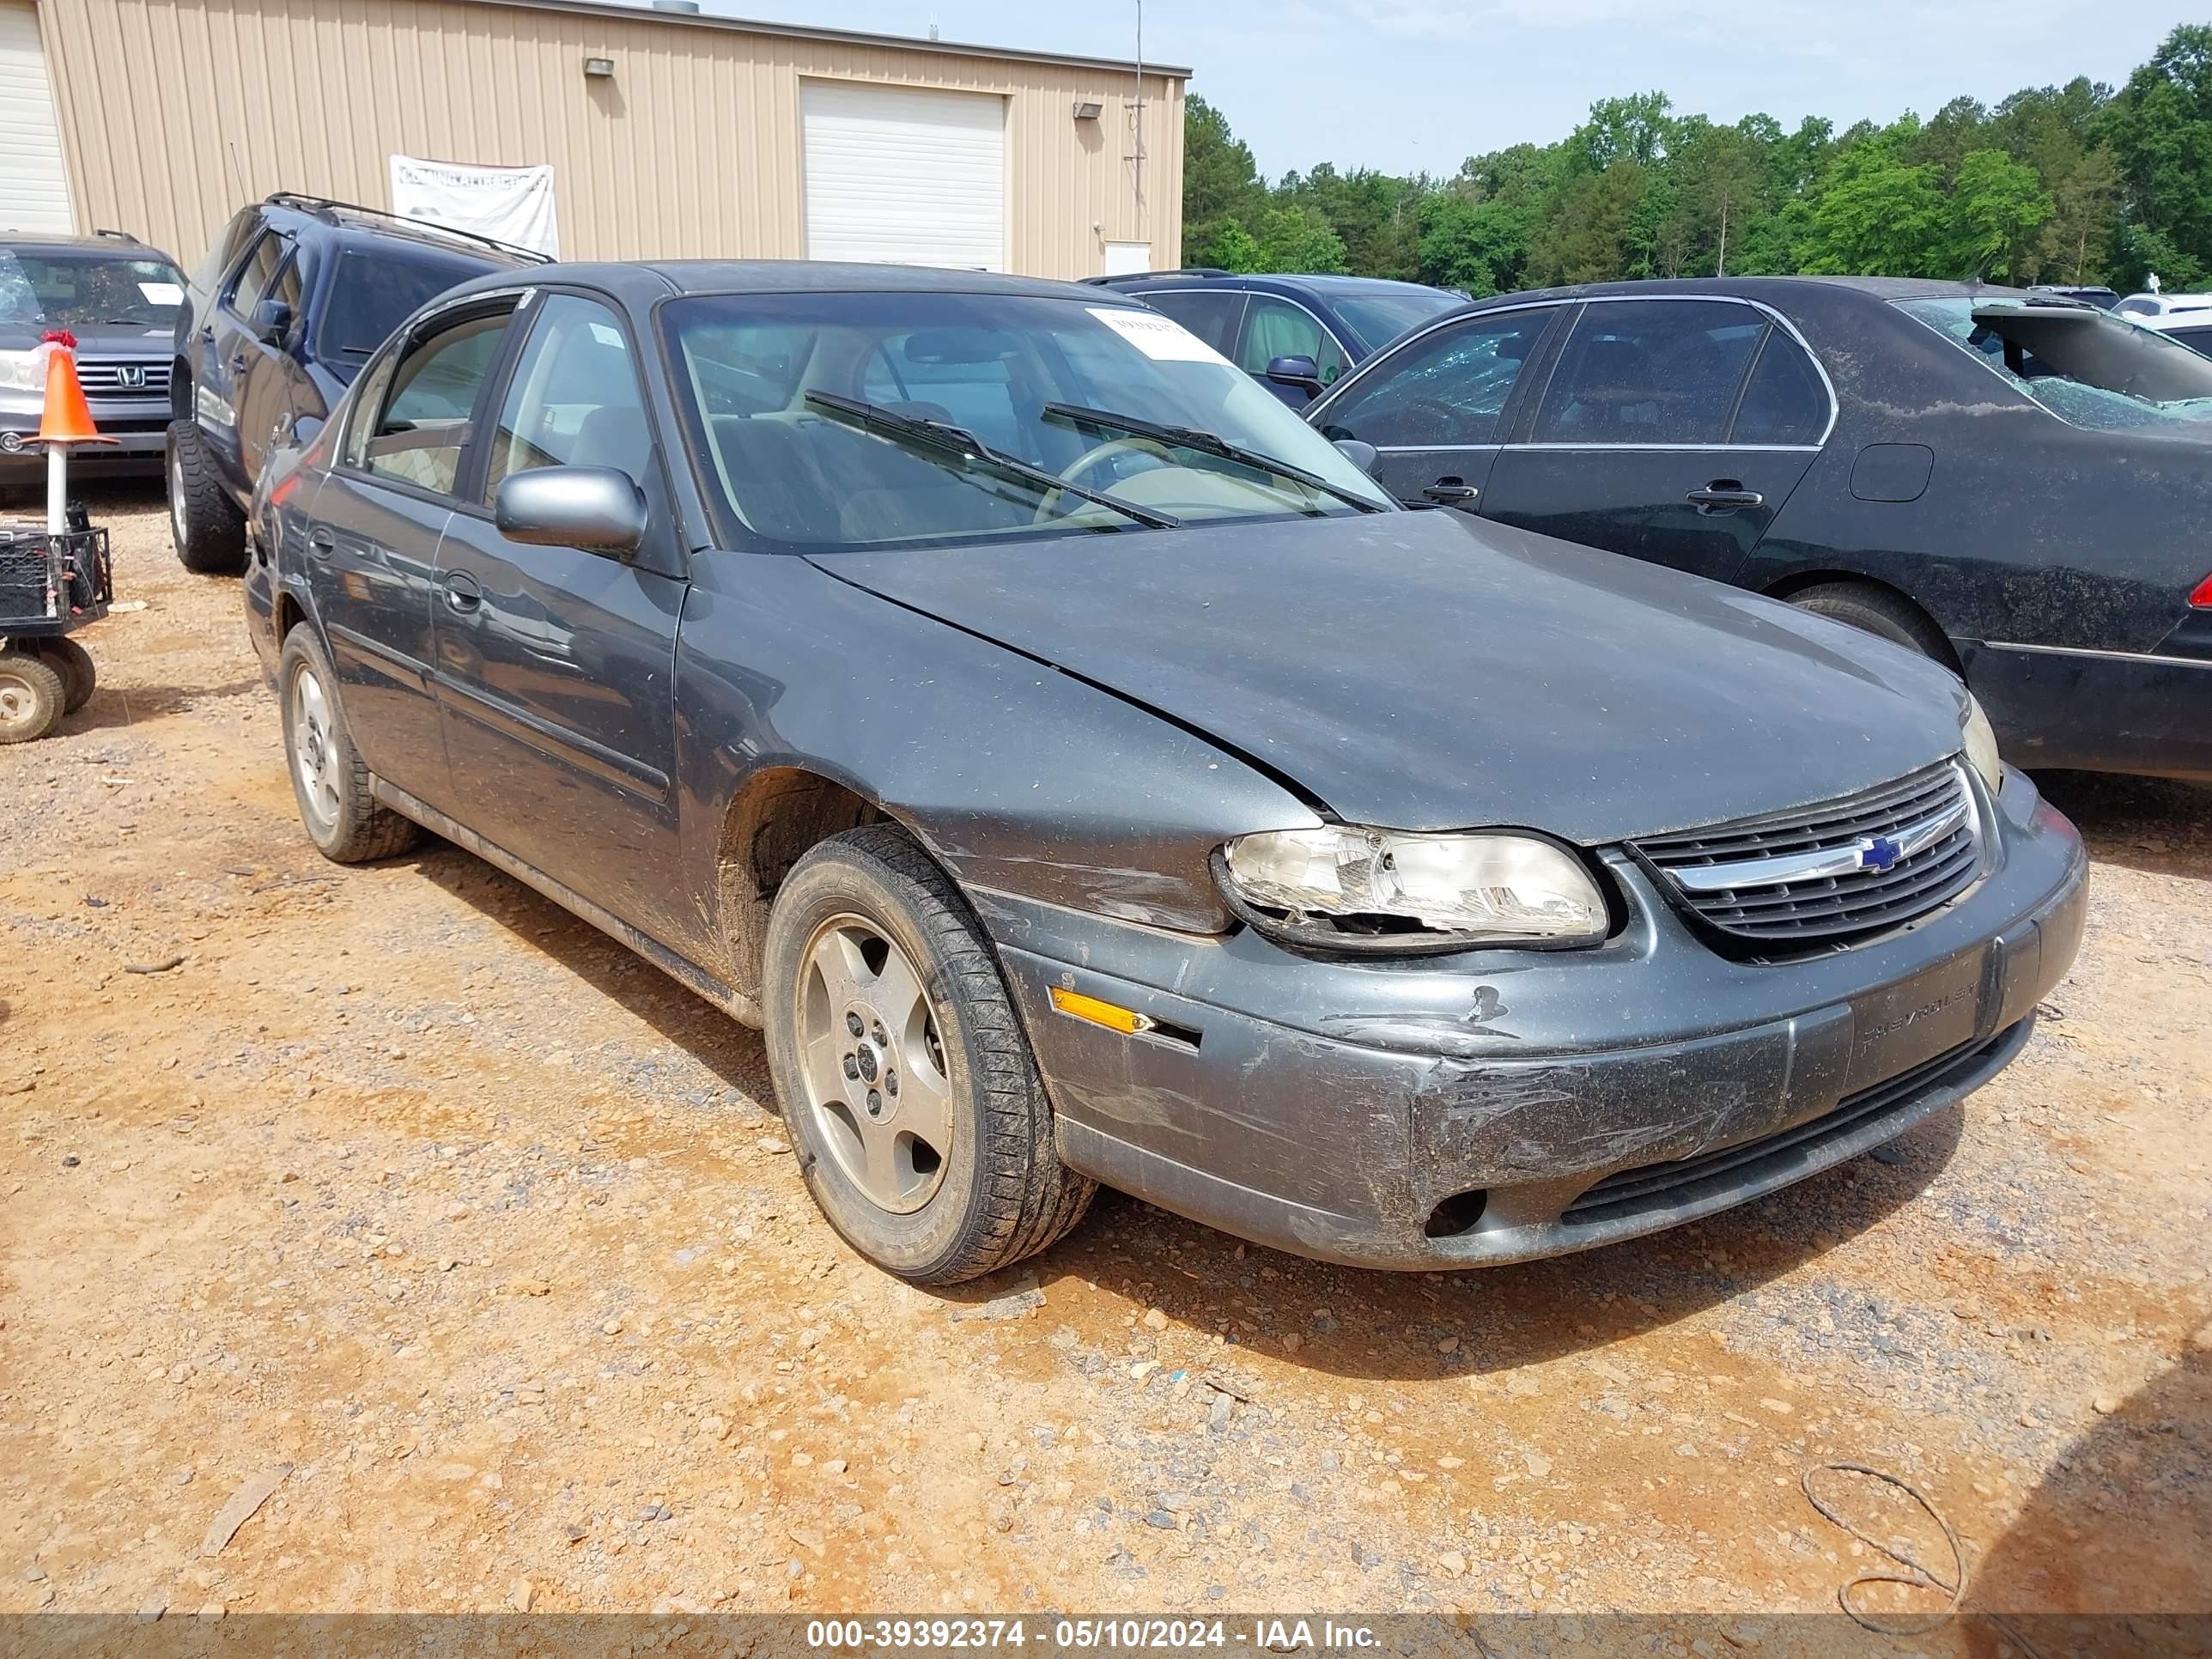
{"x": 2202, "y": 598}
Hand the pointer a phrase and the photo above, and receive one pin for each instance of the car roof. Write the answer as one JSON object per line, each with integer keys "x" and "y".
{"x": 646, "y": 280}
{"x": 116, "y": 242}
{"x": 1313, "y": 282}
{"x": 353, "y": 223}
{"x": 1776, "y": 291}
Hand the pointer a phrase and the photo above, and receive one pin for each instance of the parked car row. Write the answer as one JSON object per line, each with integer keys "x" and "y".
{"x": 1084, "y": 771}
{"x": 2013, "y": 484}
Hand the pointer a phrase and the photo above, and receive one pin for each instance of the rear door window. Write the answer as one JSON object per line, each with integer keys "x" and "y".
{"x": 259, "y": 270}
{"x": 1211, "y": 314}
{"x": 2085, "y": 366}
{"x": 1447, "y": 388}
{"x": 1785, "y": 402}
{"x": 373, "y": 290}
{"x": 226, "y": 248}
{"x": 1650, "y": 372}
{"x": 1276, "y": 328}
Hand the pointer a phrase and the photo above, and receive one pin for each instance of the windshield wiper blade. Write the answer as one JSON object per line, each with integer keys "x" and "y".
{"x": 957, "y": 442}
{"x": 1207, "y": 443}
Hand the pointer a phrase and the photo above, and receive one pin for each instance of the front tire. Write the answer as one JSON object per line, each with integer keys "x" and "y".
{"x": 32, "y": 696}
{"x": 206, "y": 525}
{"x": 344, "y": 820}
{"x": 907, "y": 1086}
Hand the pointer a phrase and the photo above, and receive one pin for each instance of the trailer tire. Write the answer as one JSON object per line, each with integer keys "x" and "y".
{"x": 32, "y": 696}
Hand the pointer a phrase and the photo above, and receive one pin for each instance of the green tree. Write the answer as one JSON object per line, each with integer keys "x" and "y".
{"x": 1998, "y": 206}
{"x": 2075, "y": 245}
{"x": 1632, "y": 129}
{"x": 1875, "y": 214}
{"x": 1477, "y": 247}
{"x": 1221, "y": 186}
{"x": 1299, "y": 238}
{"x": 1590, "y": 236}
{"x": 1233, "y": 248}
{"x": 2160, "y": 129}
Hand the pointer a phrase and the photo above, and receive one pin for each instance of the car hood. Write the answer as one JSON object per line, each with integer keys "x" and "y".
{"x": 1428, "y": 670}
{"x": 99, "y": 340}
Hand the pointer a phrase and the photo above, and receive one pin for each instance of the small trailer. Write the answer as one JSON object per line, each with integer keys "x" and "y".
{"x": 50, "y": 585}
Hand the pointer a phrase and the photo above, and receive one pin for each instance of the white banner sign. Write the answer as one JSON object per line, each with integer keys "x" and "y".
{"x": 515, "y": 204}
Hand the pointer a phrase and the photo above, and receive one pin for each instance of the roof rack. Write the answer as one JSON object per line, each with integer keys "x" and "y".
{"x": 301, "y": 199}
{"x": 119, "y": 235}
{"x": 1181, "y": 271}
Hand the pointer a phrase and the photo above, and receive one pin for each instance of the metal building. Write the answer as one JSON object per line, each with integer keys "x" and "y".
{"x": 672, "y": 134}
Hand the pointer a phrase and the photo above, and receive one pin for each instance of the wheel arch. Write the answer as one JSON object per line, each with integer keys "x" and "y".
{"x": 779, "y": 813}
{"x": 1797, "y": 581}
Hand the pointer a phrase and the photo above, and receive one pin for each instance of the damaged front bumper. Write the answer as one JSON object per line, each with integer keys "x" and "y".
{"x": 1502, "y": 1106}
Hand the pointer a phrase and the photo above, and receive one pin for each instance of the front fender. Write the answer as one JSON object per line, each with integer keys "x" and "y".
{"x": 1018, "y": 778}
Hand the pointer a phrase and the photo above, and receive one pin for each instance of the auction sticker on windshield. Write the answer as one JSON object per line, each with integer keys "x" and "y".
{"x": 1161, "y": 338}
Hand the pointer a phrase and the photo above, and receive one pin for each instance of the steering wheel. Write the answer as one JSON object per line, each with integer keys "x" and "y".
{"x": 1091, "y": 461}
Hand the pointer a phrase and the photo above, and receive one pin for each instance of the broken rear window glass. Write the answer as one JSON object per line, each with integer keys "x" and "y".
{"x": 2086, "y": 367}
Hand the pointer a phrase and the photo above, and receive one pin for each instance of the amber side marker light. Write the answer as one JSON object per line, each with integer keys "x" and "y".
{"x": 1112, "y": 1016}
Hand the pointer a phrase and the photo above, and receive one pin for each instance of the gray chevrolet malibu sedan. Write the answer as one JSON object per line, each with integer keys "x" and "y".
{"x": 1084, "y": 774}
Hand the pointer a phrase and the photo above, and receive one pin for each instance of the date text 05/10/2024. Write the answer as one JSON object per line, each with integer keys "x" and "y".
{"x": 1267, "y": 1634}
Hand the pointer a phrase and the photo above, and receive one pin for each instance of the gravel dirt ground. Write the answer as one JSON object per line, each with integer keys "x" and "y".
{"x": 468, "y": 1244}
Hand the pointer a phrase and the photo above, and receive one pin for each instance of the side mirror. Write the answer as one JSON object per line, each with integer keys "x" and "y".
{"x": 272, "y": 321}
{"x": 597, "y": 508}
{"x": 1361, "y": 454}
{"x": 1302, "y": 373}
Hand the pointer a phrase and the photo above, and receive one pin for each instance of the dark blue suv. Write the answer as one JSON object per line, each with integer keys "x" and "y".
{"x": 1296, "y": 333}
{"x": 278, "y": 318}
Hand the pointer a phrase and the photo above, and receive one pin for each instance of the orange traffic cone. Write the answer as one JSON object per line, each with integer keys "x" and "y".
{"x": 67, "y": 419}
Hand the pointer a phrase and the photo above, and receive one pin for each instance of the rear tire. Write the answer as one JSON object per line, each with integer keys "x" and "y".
{"x": 1879, "y": 612}
{"x": 32, "y": 696}
{"x": 345, "y": 821}
{"x": 206, "y": 525}
{"x": 948, "y": 1057}
{"x": 74, "y": 664}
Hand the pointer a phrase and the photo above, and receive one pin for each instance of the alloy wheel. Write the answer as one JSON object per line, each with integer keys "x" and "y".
{"x": 177, "y": 516}
{"x": 874, "y": 1061}
{"x": 314, "y": 754}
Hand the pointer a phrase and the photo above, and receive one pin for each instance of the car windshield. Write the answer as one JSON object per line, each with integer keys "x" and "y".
{"x": 772, "y": 383}
{"x": 2086, "y": 367}
{"x": 1379, "y": 316}
{"x": 376, "y": 289}
{"x": 85, "y": 289}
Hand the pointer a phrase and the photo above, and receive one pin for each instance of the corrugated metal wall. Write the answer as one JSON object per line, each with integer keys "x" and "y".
{"x": 173, "y": 113}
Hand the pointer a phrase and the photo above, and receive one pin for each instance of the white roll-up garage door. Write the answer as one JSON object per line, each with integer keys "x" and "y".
{"x": 34, "y": 191}
{"x": 905, "y": 175}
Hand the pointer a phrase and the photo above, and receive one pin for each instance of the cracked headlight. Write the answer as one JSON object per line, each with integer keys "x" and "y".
{"x": 1346, "y": 888}
{"x": 1981, "y": 744}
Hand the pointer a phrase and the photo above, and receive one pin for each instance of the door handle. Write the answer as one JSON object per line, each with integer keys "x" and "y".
{"x": 238, "y": 363}
{"x": 462, "y": 592}
{"x": 1724, "y": 495}
{"x": 321, "y": 543}
{"x": 1450, "y": 491}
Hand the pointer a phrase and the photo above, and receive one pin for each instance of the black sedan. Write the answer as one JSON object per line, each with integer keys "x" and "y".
{"x": 1083, "y": 772}
{"x": 2015, "y": 484}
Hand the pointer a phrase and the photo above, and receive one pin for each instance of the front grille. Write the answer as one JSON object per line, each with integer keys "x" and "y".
{"x": 108, "y": 380}
{"x": 1771, "y": 906}
{"x": 1661, "y": 1186}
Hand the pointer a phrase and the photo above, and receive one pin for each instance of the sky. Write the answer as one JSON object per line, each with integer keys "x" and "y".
{"x": 1419, "y": 85}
